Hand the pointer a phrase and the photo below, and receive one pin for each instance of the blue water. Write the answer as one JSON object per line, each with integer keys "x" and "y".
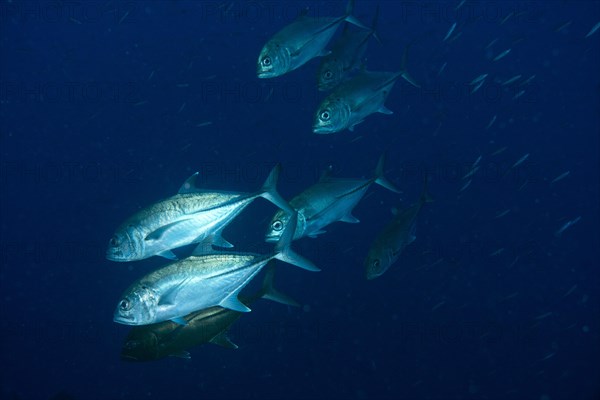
{"x": 109, "y": 106}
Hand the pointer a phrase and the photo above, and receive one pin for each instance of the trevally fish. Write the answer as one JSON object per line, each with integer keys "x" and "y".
{"x": 199, "y": 282}
{"x": 394, "y": 237}
{"x": 355, "y": 99}
{"x": 327, "y": 201}
{"x": 346, "y": 55}
{"x": 300, "y": 42}
{"x": 191, "y": 216}
{"x": 156, "y": 341}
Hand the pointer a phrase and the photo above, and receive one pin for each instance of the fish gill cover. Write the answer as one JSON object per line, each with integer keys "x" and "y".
{"x": 413, "y": 187}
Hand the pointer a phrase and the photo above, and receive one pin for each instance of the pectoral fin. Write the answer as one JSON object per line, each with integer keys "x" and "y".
{"x": 315, "y": 234}
{"x": 158, "y": 233}
{"x": 179, "y": 321}
{"x": 169, "y": 298}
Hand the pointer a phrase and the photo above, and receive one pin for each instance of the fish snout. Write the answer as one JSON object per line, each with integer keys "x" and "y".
{"x": 322, "y": 130}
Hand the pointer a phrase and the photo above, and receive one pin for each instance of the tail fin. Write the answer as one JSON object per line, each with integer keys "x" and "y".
{"x": 351, "y": 19}
{"x": 269, "y": 190}
{"x": 382, "y": 180}
{"x": 270, "y": 293}
{"x": 374, "y": 25}
{"x": 403, "y": 71}
{"x": 284, "y": 252}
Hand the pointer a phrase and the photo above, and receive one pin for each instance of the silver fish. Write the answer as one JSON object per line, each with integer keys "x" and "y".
{"x": 199, "y": 282}
{"x": 191, "y": 216}
{"x": 449, "y": 32}
{"x": 346, "y": 55}
{"x": 394, "y": 237}
{"x": 593, "y": 30}
{"x": 327, "y": 201}
{"x": 156, "y": 341}
{"x": 300, "y": 42}
{"x": 501, "y": 55}
{"x": 352, "y": 101}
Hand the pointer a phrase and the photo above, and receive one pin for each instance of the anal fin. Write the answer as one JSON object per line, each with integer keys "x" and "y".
{"x": 233, "y": 303}
{"x": 222, "y": 340}
{"x": 181, "y": 354}
{"x": 349, "y": 218}
{"x": 168, "y": 254}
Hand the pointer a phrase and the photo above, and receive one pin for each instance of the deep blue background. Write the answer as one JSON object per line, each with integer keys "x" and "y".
{"x": 100, "y": 103}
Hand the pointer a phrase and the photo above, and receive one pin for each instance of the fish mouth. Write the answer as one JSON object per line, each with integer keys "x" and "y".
{"x": 321, "y": 129}
{"x": 114, "y": 257}
{"x": 371, "y": 275}
{"x": 265, "y": 74}
{"x": 120, "y": 319}
{"x": 271, "y": 238}
{"x": 113, "y": 254}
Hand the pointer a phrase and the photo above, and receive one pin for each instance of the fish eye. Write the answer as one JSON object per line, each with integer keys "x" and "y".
{"x": 124, "y": 305}
{"x": 266, "y": 61}
{"x": 328, "y": 74}
{"x": 132, "y": 344}
{"x": 114, "y": 241}
{"x": 325, "y": 115}
{"x": 277, "y": 225}
{"x": 376, "y": 263}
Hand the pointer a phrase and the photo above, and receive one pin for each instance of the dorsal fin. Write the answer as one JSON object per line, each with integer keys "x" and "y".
{"x": 189, "y": 185}
{"x": 374, "y": 25}
{"x": 327, "y": 174}
{"x": 303, "y": 12}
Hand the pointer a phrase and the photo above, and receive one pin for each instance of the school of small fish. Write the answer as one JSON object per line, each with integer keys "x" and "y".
{"x": 195, "y": 300}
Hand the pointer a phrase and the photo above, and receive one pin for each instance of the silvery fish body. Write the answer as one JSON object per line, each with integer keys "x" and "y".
{"x": 346, "y": 55}
{"x": 191, "y": 216}
{"x": 353, "y": 100}
{"x": 327, "y": 201}
{"x": 393, "y": 239}
{"x": 298, "y": 43}
{"x": 155, "y": 341}
{"x": 199, "y": 282}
